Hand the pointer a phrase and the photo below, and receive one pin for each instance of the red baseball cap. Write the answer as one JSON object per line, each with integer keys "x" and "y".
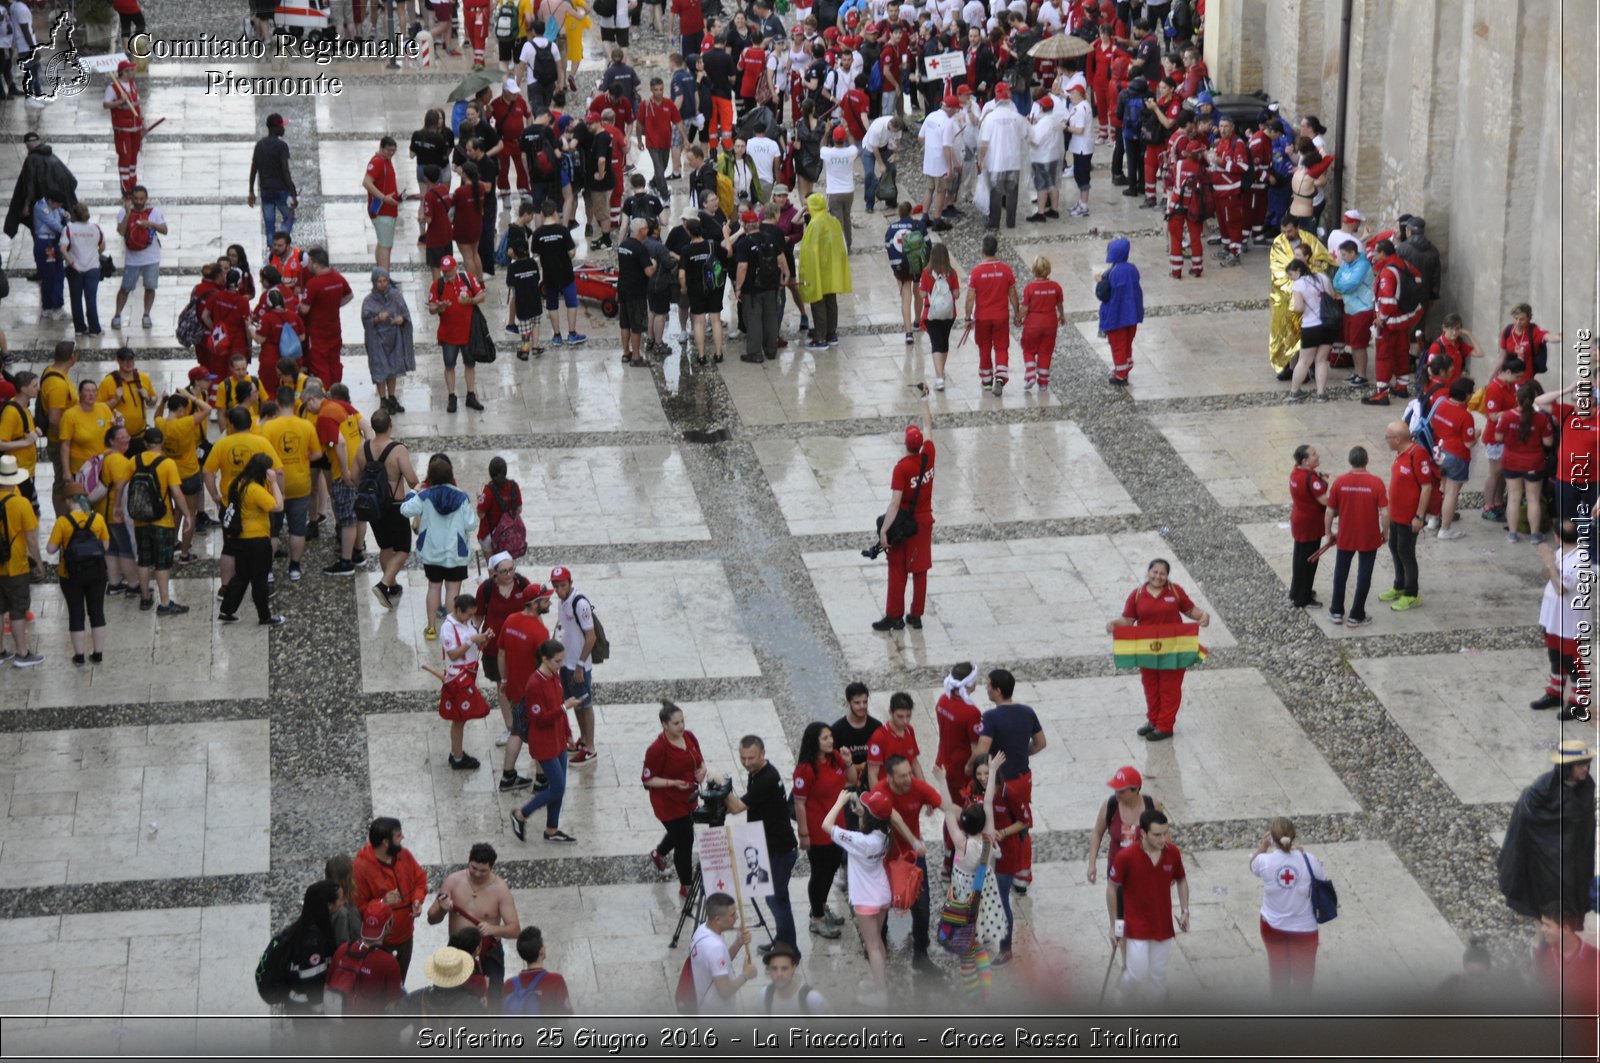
{"x": 447, "y": 263}
{"x": 878, "y": 803}
{"x": 1002, "y": 91}
{"x": 1126, "y": 776}
{"x": 534, "y": 591}
{"x": 559, "y": 573}
{"x": 592, "y": 116}
{"x": 375, "y": 920}
{"x": 952, "y": 100}
{"x": 750, "y": 217}
{"x": 963, "y": 90}
{"x": 913, "y": 437}
{"x": 1048, "y": 103}
{"x": 798, "y": 31}
{"x": 839, "y": 135}
{"x": 199, "y": 373}
{"x": 124, "y": 65}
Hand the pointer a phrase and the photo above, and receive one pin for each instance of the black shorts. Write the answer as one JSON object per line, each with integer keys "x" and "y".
{"x": 393, "y": 531}
{"x": 319, "y": 462}
{"x": 445, "y": 573}
{"x": 490, "y": 665}
{"x": 632, "y": 316}
{"x": 659, "y": 301}
{"x": 509, "y": 50}
{"x": 1537, "y": 476}
{"x": 436, "y": 255}
{"x": 706, "y": 302}
{"x": 609, "y": 33}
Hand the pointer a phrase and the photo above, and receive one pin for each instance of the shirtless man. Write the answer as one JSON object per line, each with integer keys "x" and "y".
{"x": 476, "y": 896}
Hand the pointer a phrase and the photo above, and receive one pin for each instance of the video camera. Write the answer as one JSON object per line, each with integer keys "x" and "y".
{"x": 713, "y": 810}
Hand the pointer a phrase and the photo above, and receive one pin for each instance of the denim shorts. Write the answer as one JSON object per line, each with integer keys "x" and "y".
{"x": 1454, "y": 468}
{"x": 294, "y": 513}
{"x": 131, "y": 276}
{"x": 1046, "y": 175}
{"x": 121, "y": 544}
{"x": 571, "y": 687}
{"x": 452, "y": 351}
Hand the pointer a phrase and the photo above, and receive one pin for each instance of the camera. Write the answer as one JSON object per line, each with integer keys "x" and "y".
{"x": 713, "y": 810}
{"x": 872, "y": 552}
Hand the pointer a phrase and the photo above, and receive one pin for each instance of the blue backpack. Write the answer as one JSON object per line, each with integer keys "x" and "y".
{"x": 523, "y": 999}
{"x": 1133, "y": 119}
{"x": 289, "y": 343}
{"x": 875, "y": 77}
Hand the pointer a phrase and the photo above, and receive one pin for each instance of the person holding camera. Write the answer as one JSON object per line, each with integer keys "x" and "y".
{"x": 906, "y": 528}
{"x": 869, "y": 881}
{"x": 764, "y": 803}
{"x": 673, "y": 771}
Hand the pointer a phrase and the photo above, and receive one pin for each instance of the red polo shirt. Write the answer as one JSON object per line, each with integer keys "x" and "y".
{"x": 1168, "y": 607}
{"x": 1307, "y": 493}
{"x": 910, "y": 805}
{"x": 990, "y": 280}
{"x": 820, "y": 785}
{"x": 752, "y": 61}
{"x": 959, "y": 721}
{"x": 1412, "y": 470}
{"x": 658, "y": 117}
{"x": 520, "y": 638}
{"x": 663, "y": 760}
{"x": 884, "y": 744}
{"x": 548, "y": 729}
{"x": 1356, "y": 497}
{"x": 1147, "y": 890}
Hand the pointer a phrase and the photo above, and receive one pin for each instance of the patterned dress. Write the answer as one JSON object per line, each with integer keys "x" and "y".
{"x": 991, "y": 916}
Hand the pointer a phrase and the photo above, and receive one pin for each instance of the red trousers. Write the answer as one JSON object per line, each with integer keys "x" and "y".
{"x": 503, "y": 182}
{"x": 1393, "y": 349}
{"x": 1038, "y": 346}
{"x": 1153, "y": 158}
{"x": 128, "y": 144}
{"x": 477, "y": 23}
{"x": 1291, "y": 960}
{"x": 994, "y": 349}
{"x": 1163, "y": 693}
{"x": 1121, "y": 340}
{"x": 911, "y": 558}
{"x": 323, "y": 362}
{"x": 1256, "y": 209}
{"x": 1231, "y": 219}
{"x": 267, "y": 369}
{"x": 1176, "y": 226}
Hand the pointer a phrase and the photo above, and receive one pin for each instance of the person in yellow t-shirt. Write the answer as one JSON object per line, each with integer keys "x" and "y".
{"x": 341, "y": 431}
{"x": 181, "y": 432}
{"x": 85, "y": 594}
{"x": 82, "y": 428}
{"x": 228, "y": 458}
{"x": 115, "y": 469}
{"x": 55, "y": 398}
{"x": 155, "y": 541}
{"x": 19, "y": 560}
{"x": 257, "y": 494}
{"x": 127, "y": 391}
{"x": 239, "y": 388}
{"x": 294, "y": 440}
{"x": 19, "y": 435}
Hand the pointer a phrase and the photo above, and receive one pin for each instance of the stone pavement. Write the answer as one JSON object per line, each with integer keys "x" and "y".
{"x": 163, "y": 811}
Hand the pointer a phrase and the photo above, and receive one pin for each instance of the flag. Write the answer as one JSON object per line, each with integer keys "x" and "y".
{"x": 1160, "y": 646}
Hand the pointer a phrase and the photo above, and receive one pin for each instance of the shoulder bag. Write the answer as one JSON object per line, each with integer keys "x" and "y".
{"x": 904, "y": 526}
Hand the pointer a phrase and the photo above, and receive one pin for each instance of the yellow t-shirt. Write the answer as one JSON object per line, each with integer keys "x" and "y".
{"x": 55, "y": 393}
{"x": 227, "y": 392}
{"x": 230, "y": 454}
{"x": 133, "y": 396}
{"x": 180, "y": 441}
{"x": 65, "y": 526}
{"x": 166, "y": 472}
{"x": 255, "y": 512}
{"x": 295, "y": 442}
{"x": 19, "y": 527}
{"x": 114, "y": 474}
{"x": 16, "y": 422}
{"x": 86, "y": 431}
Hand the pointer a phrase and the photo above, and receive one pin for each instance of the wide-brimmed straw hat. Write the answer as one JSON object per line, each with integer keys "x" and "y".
{"x": 1572, "y": 751}
{"x": 448, "y": 967}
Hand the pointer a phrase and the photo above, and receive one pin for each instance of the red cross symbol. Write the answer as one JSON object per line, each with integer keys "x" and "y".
{"x": 1287, "y": 877}
{"x": 933, "y": 64}
{"x": 721, "y": 884}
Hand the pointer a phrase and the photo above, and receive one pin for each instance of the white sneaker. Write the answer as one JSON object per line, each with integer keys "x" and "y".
{"x": 505, "y": 736}
{"x": 938, "y": 383}
{"x": 146, "y": 322}
{"x": 1452, "y": 533}
{"x": 116, "y": 322}
{"x": 1430, "y": 524}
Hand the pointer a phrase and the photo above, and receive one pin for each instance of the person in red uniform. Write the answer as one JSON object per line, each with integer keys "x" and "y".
{"x": 1392, "y": 328}
{"x": 1102, "y": 57}
{"x": 909, "y": 796}
{"x": 499, "y": 598}
{"x": 268, "y": 329}
{"x": 1456, "y": 343}
{"x": 992, "y": 302}
{"x": 510, "y": 114}
{"x": 475, "y": 16}
{"x": 1570, "y": 966}
{"x": 1413, "y": 481}
{"x": 659, "y": 118}
{"x": 1159, "y": 601}
{"x": 287, "y": 260}
{"x": 897, "y": 738}
{"x": 1166, "y": 107}
{"x": 1141, "y": 881}
{"x": 1186, "y": 211}
{"x": 1042, "y": 313}
{"x": 225, "y": 313}
{"x": 325, "y": 292}
{"x": 1577, "y": 456}
{"x": 673, "y": 772}
{"x": 1455, "y": 431}
{"x": 1527, "y": 434}
{"x": 959, "y": 720}
{"x": 1016, "y": 842}
{"x": 1526, "y": 340}
{"x": 545, "y": 724}
{"x": 1358, "y": 500}
{"x": 546, "y": 986}
{"x": 127, "y": 124}
{"x": 752, "y": 64}
{"x": 1259, "y": 145}
{"x": 1308, "y": 493}
{"x": 821, "y": 774}
{"x": 1229, "y": 160}
{"x": 272, "y": 281}
{"x": 854, "y": 107}
{"x": 911, "y": 493}
{"x": 366, "y": 977}
{"x": 201, "y": 294}
{"x": 383, "y": 198}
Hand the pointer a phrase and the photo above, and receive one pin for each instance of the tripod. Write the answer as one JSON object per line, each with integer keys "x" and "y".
{"x": 695, "y": 902}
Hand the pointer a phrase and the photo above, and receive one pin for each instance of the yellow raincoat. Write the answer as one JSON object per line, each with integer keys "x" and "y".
{"x": 824, "y": 261}
{"x": 577, "y": 21}
{"x": 1283, "y": 338}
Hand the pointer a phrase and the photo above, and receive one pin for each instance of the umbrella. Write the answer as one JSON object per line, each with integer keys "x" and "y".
{"x": 475, "y": 82}
{"x": 1060, "y": 46}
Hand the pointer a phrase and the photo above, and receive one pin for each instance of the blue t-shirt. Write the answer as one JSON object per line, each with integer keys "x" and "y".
{"x": 1012, "y": 728}
{"x": 892, "y": 239}
{"x": 684, "y": 92}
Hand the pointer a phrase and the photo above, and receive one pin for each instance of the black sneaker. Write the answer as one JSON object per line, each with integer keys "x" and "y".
{"x": 227, "y": 618}
{"x": 358, "y": 557}
{"x": 272, "y": 621}
{"x": 1145, "y": 729}
{"x": 915, "y": 622}
{"x": 340, "y": 568}
{"x": 450, "y": 405}
{"x": 519, "y": 827}
{"x": 473, "y": 403}
{"x": 559, "y": 836}
{"x": 171, "y": 609}
{"x": 466, "y": 763}
{"x": 1549, "y": 701}
{"x": 889, "y": 623}
{"x": 146, "y": 604}
{"x": 512, "y": 782}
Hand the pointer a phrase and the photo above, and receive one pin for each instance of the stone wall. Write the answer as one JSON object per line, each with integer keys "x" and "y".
{"x": 1478, "y": 115}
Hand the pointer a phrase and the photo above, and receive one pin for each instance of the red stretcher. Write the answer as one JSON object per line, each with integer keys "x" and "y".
{"x": 597, "y": 282}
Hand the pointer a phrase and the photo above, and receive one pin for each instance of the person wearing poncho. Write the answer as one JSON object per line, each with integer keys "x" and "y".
{"x": 1548, "y": 854}
{"x": 824, "y": 270}
{"x": 1159, "y": 605}
{"x": 1283, "y": 337}
{"x": 391, "y": 352}
{"x": 1121, "y": 307}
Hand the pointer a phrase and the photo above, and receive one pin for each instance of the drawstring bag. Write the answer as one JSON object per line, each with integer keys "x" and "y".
{"x": 460, "y": 699}
{"x": 905, "y": 882}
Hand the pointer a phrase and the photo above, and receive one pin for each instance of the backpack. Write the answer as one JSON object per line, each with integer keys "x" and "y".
{"x": 543, "y": 157}
{"x": 137, "y": 238}
{"x": 272, "y": 970}
{"x": 686, "y": 999}
{"x": 41, "y": 416}
{"x": 233, "y": 512}
{"x": 524, "y": 997}
{"x": 1540, "y": 350}
{"x": 89, "y": 474}
{"x": 505, "y": 22}
{"x": 289, "y": 343}
{"x": 942, "y": 300}
{"x": 374, "y": 492}
{"x": 502, "y": 249}
{"x": 805, "y": 999}
{"x": 143, "y": 497}
{"x": 602, "y": 645}
{"x": 1408, "y": 293}
{"x": 1422, "y": 426}
{"x": 509, "y": 533}
{"x": 545, "y": 70}
{"x": 344, "y": 981}
{"x": 914, "y": 252}
{"x": 768, "y": 253}
{"x": 875, "y": 77}
{"x": 84, "y": 555}
{"x": 605, "y": 8}
{"x": 191, "y": 328}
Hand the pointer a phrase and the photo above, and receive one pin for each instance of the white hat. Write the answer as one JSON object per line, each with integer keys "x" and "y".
{"x": 494, "y": 562}
{"x": 511, "y": 85}
{"x": 10, "y": 473}
{"x": 1354, "y": 215}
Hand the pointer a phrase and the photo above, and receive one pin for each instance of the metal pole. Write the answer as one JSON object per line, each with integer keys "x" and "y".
{"x": 394, "y": 60}
{"x": 1344, "y": 105}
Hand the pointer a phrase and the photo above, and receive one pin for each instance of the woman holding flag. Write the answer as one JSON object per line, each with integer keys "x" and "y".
{"x": 1151, "y": 635}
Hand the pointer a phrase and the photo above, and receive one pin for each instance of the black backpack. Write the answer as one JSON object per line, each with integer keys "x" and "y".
{"x": 1408, "y": 294}
{"x": 233, "y": 512}
{"x": 768, "y": 254}
{"x": 41, "y": 417}
{"x": 805, "y": 999}
{"x": 541, "y": 148}
{"x": 374, "y": 492}
{"x": 84, "y": 555}
{"x": 272, "y": 970}
{"x": 545, "y": 68}
{"x": 143, "y": 496}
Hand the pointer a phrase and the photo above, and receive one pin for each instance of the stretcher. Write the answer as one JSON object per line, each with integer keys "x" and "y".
{"x": 597, "y": 282}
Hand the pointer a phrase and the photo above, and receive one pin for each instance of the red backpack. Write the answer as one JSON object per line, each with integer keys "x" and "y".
{"x": 687, "y": 1000}
{"x": 346, "y": 973}
{"x": 137, "y": 238}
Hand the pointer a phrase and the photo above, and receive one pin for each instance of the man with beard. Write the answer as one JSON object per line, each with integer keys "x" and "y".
{"x": 384, "y": 871}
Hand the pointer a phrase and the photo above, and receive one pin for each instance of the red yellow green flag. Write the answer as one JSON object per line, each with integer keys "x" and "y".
{"x": 1159, "y": 646}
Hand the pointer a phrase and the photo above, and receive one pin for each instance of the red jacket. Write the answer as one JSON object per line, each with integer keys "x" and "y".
{"x": 1388, "y": 293}
{"x": 1233, "y": 159}
{"x": 374, "y": 879}
{"x": 544, "y": 704}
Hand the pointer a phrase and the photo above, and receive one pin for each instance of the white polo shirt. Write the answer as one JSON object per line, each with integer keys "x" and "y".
{"x": 839, "y": 170}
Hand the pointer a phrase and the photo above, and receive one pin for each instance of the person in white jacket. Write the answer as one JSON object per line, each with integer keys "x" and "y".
{"x": 1002, "y": 146}
{"x": 1047, "y": 146}
{"x": 447, "y": 524}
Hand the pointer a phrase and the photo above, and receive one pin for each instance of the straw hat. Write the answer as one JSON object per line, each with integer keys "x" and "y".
{"x": 448, "y": 968}
{"x": 1572, "y": 751}
{"x": 10, "y": 474}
